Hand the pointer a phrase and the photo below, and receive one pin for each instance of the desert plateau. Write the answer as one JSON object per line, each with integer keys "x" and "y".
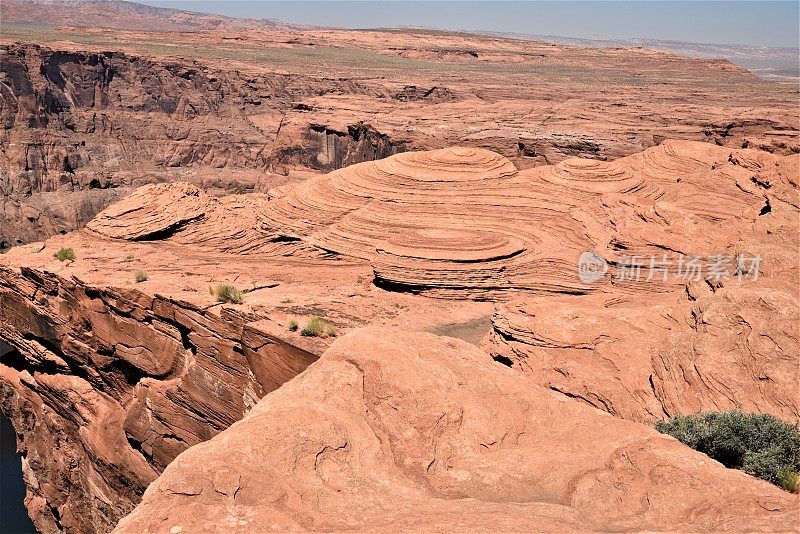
{"x": 266, "y": 275}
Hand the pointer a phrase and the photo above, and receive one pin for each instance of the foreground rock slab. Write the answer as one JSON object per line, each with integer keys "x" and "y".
{"x": 394, "y": 431}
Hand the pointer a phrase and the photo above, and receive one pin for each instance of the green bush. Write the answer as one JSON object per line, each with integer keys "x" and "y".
{"x": 318, "y": 327}
{"x": 758, "y": 444}
{"x": 293, "y": 326}
{"x": 65, "y": 254}
{"x": 227, "y": 293}
{"x": 140, "y": 276}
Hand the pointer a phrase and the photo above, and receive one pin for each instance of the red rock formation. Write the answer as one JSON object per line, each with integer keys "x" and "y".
{"x": 461, "y": 224}
{"x": 393, "y": 431}
{"x": 118, "y": 383}
{"x": 82, "y": 126}
{"x": 80, "y": 129}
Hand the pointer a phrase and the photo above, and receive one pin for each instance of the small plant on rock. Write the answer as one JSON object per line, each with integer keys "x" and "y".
{"x": 37, "y": 249}
{"x": 759, "y": 444}
{"x": 318, "y": 327}
{"x": 140, "y": 276}
{"x": 65, "y": 254}
{"x": 293, "y": 326}
{"x": 330, "y": 330}
{"x": 228, "y": 293}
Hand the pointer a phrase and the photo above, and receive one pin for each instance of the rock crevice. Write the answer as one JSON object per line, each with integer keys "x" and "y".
{"x": 120, "y": 382}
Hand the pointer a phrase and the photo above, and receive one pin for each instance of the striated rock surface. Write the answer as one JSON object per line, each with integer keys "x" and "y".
{"x": 154, "y": 211}
{"x": 463, "y": 223}
{"x": 118, "y": 382}
{"x": 456, "y": 241}
{"x": 648, "y": 358}
{"x": 669, "y": 343}
{"x": 88, "y": 114}
{"x": 407, "y": 431}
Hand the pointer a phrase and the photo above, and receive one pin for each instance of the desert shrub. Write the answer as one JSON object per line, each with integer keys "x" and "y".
{"x": 65, "y": 254}
{"x": 758, "y": 444}
{"x": 140, "y": 276}
{"x": 789, "y": 480}
{"x": 318, "y": 327}
{"x": 293, "y": 326}
{"x": 227, "y": 293}
{"x": 37, "y": 249}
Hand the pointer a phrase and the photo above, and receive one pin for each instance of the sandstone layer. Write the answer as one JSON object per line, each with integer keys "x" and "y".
{"x": 88, "y": 114}
{"x": 454, "y": 241}
{"x": 120, "y": 382}
{"x": 465, "y": 224}
{"x": 392, "y": 431}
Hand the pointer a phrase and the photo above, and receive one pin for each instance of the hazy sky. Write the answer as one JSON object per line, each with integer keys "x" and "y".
{"x": 756, "y": 23}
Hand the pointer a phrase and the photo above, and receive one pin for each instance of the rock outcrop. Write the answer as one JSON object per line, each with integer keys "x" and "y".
{"x": 106, "y": 386}
{"x": 465, "y": 221}
{"x": 465, "y": 224}
{"x": 393, "y": 431}
{"x": 99, "y": 112}
{"x": 161, "y": 366}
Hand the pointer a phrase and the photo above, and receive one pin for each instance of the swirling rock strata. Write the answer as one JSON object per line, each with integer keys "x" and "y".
{"x": 466, "y": 220}
{"x": 443, "y": 220}
{"x": 661, "y": 345}
{"x": 102, "y": 112}
{"x": 395, "y": 431}
{"x": 462, "y": 224}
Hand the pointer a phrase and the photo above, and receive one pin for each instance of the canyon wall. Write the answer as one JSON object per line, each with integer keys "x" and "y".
{"x": 118, "y": 383}
{"x": 81, "y": 129}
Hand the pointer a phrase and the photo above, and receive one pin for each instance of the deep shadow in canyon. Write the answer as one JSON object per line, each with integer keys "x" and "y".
{"x": 13, "y": 515}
